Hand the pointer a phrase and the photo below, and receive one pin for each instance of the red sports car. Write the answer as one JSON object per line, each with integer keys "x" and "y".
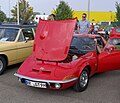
{"x": 115, "y": 32}
{"x": 61, "y": 60}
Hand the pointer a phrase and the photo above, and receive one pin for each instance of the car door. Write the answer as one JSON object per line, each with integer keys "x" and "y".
{"x": 25, "y": 43}
{"x": 7, "y": 43}
{"x": 110, "y": 59}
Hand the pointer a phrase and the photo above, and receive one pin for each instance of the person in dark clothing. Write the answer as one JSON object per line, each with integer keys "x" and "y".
{"x": 92, "y": 29}
{"x": 76, "y": 27}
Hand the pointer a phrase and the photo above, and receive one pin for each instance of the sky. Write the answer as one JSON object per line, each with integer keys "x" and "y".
{"x": 46, "y": 6}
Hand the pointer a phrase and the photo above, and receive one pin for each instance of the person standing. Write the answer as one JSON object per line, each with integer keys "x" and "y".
{"x": 96, "y": 27}
{"x": 51, "y": 17}
{"x": 76, "y": 30}
{"x": 92, "y": 29}
{"x": 84, "y": 25}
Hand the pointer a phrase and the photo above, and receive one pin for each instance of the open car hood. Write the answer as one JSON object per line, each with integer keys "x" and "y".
{"x": 53, "y": 38}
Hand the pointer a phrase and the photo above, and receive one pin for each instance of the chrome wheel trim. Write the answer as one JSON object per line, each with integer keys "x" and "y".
{"x": 83, "y": 79}
{"x": 1, "y": 65}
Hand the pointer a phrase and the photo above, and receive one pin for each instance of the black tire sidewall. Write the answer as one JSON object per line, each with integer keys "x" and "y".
{"x": 4, "y": 65}
{"x": 77, "y": 86}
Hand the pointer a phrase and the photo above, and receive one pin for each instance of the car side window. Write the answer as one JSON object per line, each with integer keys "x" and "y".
{"x": 34, "y": 30}
{"x": 28, "y": 33}
{"x": 21, "y": 37}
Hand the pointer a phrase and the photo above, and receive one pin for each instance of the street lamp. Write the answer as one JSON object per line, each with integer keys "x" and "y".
{"x": 88, "y": 9}
{"x": 18, "y": 20}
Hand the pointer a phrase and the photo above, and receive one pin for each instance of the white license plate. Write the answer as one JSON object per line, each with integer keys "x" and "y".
{"x": 36, "y": 84}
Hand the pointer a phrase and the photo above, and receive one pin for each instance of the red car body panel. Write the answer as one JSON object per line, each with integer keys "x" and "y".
{"x": 109, "y": 60}
{"x": 53, "y": 40}
{"x": 46, "y": 64}
{"x": 57, "y": 71}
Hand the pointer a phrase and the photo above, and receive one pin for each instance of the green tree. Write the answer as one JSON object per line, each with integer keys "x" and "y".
{"x": 25, "y": 11}
{"x": 2, "y": 16}
{"x": 118, "y": 11}
{"x": 117, "y": 14}
{"x": 63, "y": 11}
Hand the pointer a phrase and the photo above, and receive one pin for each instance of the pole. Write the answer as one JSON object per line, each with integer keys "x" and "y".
{"x": 9, "y": 10}
{"x": 18, "y": 22}
{"x": 88, "y": 9}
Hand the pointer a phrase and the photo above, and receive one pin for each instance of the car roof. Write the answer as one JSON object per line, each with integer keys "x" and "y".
{"x": 87, "y": 35}
{"x": 115, "y": 37}
{"x": 17, "y": 26}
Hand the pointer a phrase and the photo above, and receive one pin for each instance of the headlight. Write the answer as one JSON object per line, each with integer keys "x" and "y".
{"x": 57, "y": 85}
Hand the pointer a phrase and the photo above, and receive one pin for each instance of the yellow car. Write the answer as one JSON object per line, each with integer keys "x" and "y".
{"x": 16, "y": 44}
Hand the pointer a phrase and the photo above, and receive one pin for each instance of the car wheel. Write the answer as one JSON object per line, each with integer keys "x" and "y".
{"x": 82, "y": 81}
{"x": 2, "y": 65}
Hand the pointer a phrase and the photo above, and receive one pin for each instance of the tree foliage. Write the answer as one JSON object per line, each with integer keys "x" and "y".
{"x": 25, "y": 11}
{"x": 63, "y": 11}
{"x": 2, "y": 16}
{"x": 118, "y": 11}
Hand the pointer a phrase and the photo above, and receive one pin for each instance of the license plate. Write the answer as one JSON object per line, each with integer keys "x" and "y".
{"x": 36, "y": 84}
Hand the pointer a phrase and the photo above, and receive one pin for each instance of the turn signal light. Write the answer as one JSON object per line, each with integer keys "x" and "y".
{"x": 69, "y": 77}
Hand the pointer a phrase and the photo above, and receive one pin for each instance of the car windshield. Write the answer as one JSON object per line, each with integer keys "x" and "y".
{"x": 8, "y": 34}
{"x": 82, "y": 45}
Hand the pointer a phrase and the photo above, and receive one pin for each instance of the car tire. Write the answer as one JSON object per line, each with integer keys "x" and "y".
{"x": 2, "y": 65}
{"x": 82, "y": 81}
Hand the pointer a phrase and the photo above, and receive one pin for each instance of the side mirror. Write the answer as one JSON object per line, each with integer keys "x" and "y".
{"x": 26, "y": 39}
{"x": 110, "y": 48}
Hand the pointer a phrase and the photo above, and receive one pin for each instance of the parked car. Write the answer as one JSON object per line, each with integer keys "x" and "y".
{"x": 115, "y": 32}
{"x": 61, "y": 60}
{"x": 16, "y": 42}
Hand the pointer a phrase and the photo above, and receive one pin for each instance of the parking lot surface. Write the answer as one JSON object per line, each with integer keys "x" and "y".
{"x": 102, "y": 88}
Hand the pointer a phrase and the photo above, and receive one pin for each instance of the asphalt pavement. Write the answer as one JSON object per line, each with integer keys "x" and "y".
{"x": 102, "y": 88}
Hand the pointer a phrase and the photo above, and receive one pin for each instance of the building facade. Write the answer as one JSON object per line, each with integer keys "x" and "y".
{"x": 97, "y": 17}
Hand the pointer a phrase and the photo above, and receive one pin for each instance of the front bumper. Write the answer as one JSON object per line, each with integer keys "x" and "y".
{"x": 50, "y": 83}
